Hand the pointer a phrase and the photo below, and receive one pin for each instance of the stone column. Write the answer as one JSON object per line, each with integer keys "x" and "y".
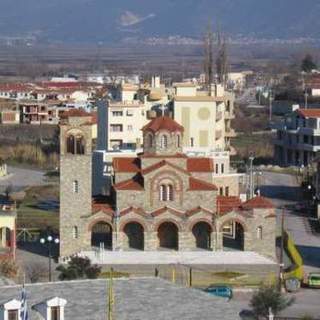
{"x": 219, "y": 244}
{"x": 150, "y": 241}
{"x": 185, "y": 241}
{"x": 3, "y": 237}
{"x": 213, "y": 241}
{"x": 13, "y": 242}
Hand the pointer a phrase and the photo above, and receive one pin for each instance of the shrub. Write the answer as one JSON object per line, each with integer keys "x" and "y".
{"x": 8, "y": 268}
{"x": 266, "y": 298}
{"x": 78, "y": 268}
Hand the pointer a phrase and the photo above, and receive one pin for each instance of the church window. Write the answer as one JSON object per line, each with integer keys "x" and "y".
{"x": 149, "y": 141}
{"x": 76, "y": 186}
{"x": 70, "y": 144}
{"x": 164, "y": 142}
{"x": 191, "y": 142}
{"x": 178, "y": 141}
{"x": 75, "y": 145}
{"x": 163, "y": 193}
{"x": 170, "y": 192}
{"x": 259, "y": 233}
{"x": 75, "y": 233}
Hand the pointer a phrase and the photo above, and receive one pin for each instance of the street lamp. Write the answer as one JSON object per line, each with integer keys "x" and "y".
{"x": 49, "y": 240}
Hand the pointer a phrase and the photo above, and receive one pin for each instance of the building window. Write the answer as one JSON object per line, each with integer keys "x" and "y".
{"x": 178, "y": 141}
{"x": 129, "y": 113}
{"x": 227, "y": 191}
{"x": 149, "y": 141}
{"x": 116, "y": 128}
{"x": 164, "y": 142}
{"x": 163, "y": 193}
{"x": 55, "y": 313}
{"x": 130, "y": 128}
{"x": 221, "y": 191}
{"x": 259, "y": 233}
{"x": 222, "y": 167}
{"x": 192, "y": 142}
{"x": 217, "y": 168}
{"x": 170, "y": 192}
{"x": 75, "y": 233}
{"x": 117, "y": 113}
{"x": 75, "y": 145}
{"x": 76, "y": 186}
{"x": 13, "y": 314}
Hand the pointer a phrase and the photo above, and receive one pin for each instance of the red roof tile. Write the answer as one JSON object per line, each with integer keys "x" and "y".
{"x": 152, "y": 155}
{"x": 258, "y": 202}
{"x": 196, "y": 210}
{"x": 163, "y": 123}
{"x": 139, "y": 211}
{"x": 135, "y": 183}
{"x": 309, "y": 113}
{"x": 75, "y": 113}
{"x": 102, "y": 204}
{"x": 126, "y": 164}
{"x": 226, "y": 204}
{"x": 200, "y": 165}
{"x": 161, "y": 164}
{"x": 199, "y": 185}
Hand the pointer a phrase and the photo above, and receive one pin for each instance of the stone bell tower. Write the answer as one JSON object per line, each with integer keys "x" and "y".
{"x": 75, "y": 181}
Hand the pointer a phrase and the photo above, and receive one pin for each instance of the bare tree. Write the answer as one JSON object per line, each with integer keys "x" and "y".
{"x": 36, "y": 272}
{"x": 208, "y": 58}
{"x": 222, "y": 60}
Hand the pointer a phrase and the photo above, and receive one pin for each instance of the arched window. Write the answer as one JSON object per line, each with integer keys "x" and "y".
{"x": 70, "y": 144}
{"x": 163, "y": 193}
{"x": 170, "y": 192}
{"x": 149, "y": 141}
{"x": 79, "y": 145}
{"x": 178, "y": 141}
{"x": 75, "y": 186}
{"x": 259, "y": 233}
{"x": 164, "y": 142}
{"x": 75, "y": 233}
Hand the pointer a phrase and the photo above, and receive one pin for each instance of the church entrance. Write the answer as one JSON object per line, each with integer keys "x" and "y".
{"x": 233, "y": 236}
{"x": 101, "y": 235}
{"x": 202, "y": 235}
{"x": 168, "y": 235}
{"x": 134, "y": 233}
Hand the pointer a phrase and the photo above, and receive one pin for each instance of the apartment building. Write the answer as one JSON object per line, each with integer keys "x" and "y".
{"x": 298, "y": 138}
{"x": 205, "y": 117}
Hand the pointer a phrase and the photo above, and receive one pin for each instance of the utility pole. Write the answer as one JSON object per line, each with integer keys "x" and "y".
{"x": 251, "y": 182}
{"x": 270, "y": 105}
{"x": 281, "y": 250}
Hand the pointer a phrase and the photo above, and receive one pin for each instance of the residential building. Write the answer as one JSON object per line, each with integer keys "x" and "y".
{"x": 159, "y": 199}
{"x": 298, "y": 139}
{"x": 8, "y": 218}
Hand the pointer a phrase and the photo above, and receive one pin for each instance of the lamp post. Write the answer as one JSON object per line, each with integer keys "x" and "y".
{"x": 49, "y": 240}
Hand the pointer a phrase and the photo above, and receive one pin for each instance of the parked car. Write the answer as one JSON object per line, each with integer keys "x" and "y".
{"x": 313, "y": 280}
{"x": 220, "y": 291}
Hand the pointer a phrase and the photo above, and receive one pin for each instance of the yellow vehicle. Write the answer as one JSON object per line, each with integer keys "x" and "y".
{"x": 314, "y": 280}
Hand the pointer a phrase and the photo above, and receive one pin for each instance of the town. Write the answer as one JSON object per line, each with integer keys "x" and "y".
{"x": 183, "y": 193}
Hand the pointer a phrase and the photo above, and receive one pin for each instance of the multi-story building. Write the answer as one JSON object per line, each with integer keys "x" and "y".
{"x": 298, "y": 139}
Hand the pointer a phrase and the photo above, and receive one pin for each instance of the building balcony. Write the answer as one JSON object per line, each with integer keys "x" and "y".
{"x": 230, "y": 133}
{"x": 229, "y": 115}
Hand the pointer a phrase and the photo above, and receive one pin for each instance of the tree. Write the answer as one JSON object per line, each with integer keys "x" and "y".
{"x": 222, "y": 61}
{"x": 266, "y": 298}
{"x": 36, "y": 271}
{"x": 307, "y": 64}
{"x": 208, "y": 58}
{"x": 78, "y": 268}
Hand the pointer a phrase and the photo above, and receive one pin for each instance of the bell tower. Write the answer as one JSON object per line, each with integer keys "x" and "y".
{"x": 75, "y": 182}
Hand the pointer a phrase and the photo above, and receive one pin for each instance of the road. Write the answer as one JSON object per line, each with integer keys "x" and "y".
{"x": 283, "y": 190}
{"x": 19, "y": 178}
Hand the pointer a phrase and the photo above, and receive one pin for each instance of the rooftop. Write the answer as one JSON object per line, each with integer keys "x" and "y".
{"x": 309, "y": 113}
{"x": 163, "y": 123}
{"x": 141, "y": 298}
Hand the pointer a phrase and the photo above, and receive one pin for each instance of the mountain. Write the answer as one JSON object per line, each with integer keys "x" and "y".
{"x": 110, "y": 21}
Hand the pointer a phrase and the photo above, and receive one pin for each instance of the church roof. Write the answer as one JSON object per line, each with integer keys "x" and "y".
{"x": 161, "y": 164}
{"x": 199, "y": 185}
{"x": 135, "y": 183}
{"x": 226, "y": 204}
{"x": 126, "y": 164}
{"x": 258, "y": 202}
{"x": 200, "y": 165}
{"x": 163, "y": 123}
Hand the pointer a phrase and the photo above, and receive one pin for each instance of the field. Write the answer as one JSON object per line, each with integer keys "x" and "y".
{"x": 39, "y": 210}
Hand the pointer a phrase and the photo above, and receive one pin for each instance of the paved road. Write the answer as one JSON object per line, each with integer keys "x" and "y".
{"x": 20, "y": 178}
{"x": 284, "y": 190}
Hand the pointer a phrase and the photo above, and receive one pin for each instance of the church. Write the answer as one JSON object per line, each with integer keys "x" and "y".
{"x": 160, "y": 199}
